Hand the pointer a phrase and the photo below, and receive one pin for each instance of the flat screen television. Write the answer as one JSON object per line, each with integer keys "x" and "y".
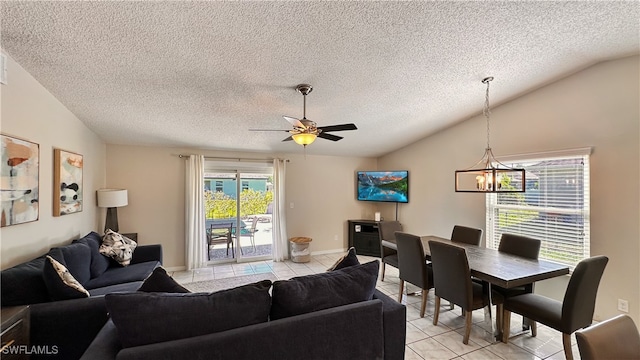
{"x": 386, "y": 186}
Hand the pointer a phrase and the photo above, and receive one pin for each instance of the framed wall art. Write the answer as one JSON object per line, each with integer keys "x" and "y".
{"x": 67, "y": 182}
{"x": 19, "y": 180}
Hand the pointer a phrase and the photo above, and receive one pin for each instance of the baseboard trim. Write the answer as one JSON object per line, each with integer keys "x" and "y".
{"x": 176, "y": 268}
{"x": 325, "y": 252}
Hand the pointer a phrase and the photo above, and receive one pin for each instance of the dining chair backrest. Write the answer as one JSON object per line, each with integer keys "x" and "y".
{"x": 467, "y": 235}
{"x": 520, "y": 245}
{"x": 580, "y": 298}
{"x": 615, "y": 338}
{"x": 387, "y": 229}
{"x": 411, "y": 261}
{"x": 451, "y": 273}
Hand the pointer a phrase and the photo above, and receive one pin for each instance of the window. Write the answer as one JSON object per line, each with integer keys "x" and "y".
{"x": 554, "y": 208}
{"x": 219, "y": 187}
{"x": 245, "y": 185}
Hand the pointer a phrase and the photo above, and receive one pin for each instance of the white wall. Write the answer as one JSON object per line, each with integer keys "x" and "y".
{"x": 30, "y": 112}
{"x": 597, "y": 107}
{"x": 322, "y": 189}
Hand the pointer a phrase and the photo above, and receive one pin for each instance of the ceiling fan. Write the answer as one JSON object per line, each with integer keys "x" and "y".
{"x": 305, "y": 131}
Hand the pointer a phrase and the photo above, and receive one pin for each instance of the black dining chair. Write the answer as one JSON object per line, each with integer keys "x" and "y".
{"x": 452, "y": 281}
{"x": 525, "y": 247}
{"x": 413, "y": 266}
{"x": 467, "y": 235}
{"x": 615, "y": 338}
{"x": 220, "y": 234}
{"x": 386, "y": 231}
{"x": 574, "y": 312}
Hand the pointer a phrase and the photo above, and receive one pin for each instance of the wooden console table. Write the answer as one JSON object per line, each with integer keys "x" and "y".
{"x": 15, "y": 331}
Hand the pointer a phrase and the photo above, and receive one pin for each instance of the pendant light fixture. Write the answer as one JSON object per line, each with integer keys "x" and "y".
{"x": 489, "y": 175}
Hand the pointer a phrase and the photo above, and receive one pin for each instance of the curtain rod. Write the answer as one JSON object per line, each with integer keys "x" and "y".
{"x": 231, "y": 158}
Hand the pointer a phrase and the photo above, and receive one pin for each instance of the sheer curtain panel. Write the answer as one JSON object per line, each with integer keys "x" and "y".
{"x": 194, "y": 205}
{"x": 280, "y": 239}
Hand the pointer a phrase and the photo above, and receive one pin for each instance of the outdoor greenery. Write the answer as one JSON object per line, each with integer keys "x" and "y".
{"x": 218, "y": 205}
{"x": 512, "y": 217}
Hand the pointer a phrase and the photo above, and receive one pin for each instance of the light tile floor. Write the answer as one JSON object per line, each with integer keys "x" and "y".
{"x": 424, "y": 340}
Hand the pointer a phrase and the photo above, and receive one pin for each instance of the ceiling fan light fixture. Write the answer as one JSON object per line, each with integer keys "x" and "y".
{"x": 494, "y": 176}
{"x": 304, "y": 139}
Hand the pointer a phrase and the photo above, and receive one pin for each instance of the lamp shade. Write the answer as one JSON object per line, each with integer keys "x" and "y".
{"x": 112, "y": 198}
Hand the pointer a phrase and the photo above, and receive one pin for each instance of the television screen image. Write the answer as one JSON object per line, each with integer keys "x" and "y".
{"x": 388, "y": 186}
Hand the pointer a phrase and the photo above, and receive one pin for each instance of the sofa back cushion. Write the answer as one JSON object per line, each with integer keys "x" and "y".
{"x": 23, "y": 284}
{"x": 147, "y": 318}
{"x": 77, "y": 258}
{"x": 99, "y": 262}
{"x": 305, "y": 294}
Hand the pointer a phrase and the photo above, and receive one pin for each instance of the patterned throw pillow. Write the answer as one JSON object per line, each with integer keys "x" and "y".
{"x": 119, "y": 248}
{"x": 64, "y": 285}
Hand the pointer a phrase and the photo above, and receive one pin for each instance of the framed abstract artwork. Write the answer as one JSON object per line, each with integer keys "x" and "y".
{"x": 67, "y": 182}
{"x": 19, "y": 176}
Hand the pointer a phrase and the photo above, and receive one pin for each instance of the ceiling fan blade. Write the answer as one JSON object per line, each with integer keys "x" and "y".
{"x": 288, "y": 139}
{"x": 294, "y": 122}
{"x": 268, "y": 130}
{"x": 329, "y": 136}
{"x": 341, "y": 127}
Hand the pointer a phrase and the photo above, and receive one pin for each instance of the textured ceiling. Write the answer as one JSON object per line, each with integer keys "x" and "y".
{"x": 200, "y": 74}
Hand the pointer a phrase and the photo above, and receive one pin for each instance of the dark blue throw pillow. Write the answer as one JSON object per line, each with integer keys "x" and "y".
{"x": 77, "y": 258}
{"x": 99, "y": 262}
{"x": 305, "y": 294}
{"x": 60, "y": 287}
{"x": 349, "y": 259}
{"x": 148, "y": 318}
{"x": 160, "y": 281}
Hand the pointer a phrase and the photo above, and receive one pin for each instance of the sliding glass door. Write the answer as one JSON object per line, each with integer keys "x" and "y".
{"x": 238, "y": 209}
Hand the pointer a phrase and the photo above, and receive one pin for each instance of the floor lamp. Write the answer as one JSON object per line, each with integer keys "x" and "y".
{"x": 112, "y": 199}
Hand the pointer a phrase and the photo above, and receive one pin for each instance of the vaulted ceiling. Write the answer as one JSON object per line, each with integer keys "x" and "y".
{"x": 201, "y": 74}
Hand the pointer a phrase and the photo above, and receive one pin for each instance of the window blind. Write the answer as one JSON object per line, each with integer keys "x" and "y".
{"x": 554, "y": 208}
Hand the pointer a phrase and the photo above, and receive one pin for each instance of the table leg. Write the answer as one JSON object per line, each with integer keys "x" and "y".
{"x": 496, "y": 331}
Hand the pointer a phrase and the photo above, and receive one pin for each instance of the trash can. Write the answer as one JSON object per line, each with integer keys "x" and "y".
{"x": 300, "y": 249}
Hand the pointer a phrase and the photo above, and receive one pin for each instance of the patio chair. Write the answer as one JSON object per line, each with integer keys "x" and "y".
{"x": 250, "y": 233}
{"x": 220, "y": 235}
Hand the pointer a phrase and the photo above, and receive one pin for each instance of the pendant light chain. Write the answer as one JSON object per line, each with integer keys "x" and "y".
{"x": 490, "y": 175}
{"x": 487, "y": 111}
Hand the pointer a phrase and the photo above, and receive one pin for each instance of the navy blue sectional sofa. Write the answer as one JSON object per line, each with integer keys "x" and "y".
{"x": 70, "y": 325}
{"x": 337, "y": 315}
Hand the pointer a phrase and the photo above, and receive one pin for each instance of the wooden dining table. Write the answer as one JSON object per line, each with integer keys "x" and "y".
{"x": 497, "y": 268}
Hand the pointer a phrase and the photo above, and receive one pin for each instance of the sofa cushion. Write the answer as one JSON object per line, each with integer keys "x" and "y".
{"x": 304, "y": 294}
{"x": 146, "y": 318}
{"x": 119, "y": 248}
{"x": 77, "y": 259}
{"x": 23, "y": 284}
{"x": 160, "y": 281}
{"x": 60, "y": 282}
{"x": 128, "y": 287}
{"x": 99, "y": 262}
{"x": 349, "y": 259}
{"x": 119, "y": 275}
